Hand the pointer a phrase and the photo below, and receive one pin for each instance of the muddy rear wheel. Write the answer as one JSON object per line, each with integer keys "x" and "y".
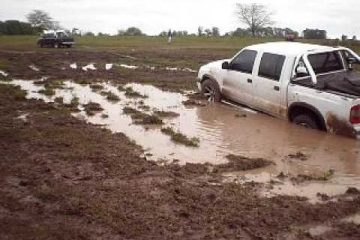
{"x": 210, "y": 89}
{"x": 307, "y": 121}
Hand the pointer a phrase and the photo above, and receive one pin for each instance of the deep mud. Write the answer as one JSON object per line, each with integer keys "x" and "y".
{"x": 209, "y": 136}
{"x": 65, "y": 174}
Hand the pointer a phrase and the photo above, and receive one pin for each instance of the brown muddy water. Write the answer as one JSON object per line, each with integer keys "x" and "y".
{"x": 224, "y": 129}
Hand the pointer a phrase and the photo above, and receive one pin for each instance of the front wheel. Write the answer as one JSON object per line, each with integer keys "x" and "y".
{"x": 210, "y": 89}
{"x": 306, "y": 120}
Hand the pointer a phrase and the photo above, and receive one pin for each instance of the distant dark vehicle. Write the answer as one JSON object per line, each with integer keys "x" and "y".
{"x": 290, "y": 37}
{"x": 56, "y": 40}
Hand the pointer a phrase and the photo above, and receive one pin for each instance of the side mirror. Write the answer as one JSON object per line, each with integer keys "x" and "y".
{"x": 225, "y": 65}
{"x": 350, "y": 61}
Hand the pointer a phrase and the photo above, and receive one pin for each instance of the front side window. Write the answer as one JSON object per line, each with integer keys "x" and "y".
{"x": 271, "y": 66}
{"x": 326, "y": 62}
{"x": 244, "y": 62}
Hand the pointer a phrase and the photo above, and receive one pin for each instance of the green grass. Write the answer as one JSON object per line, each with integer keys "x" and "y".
{"x": 227, "y": 44}
{"x": 96, "y": 87}
{"x": 180, "y": 138}
{"x": 166, "y": 114}
{"x": 74, "y": 104}
{"x": 19, "y": 94}
{"x": 130, "y": 110}
{"x": 110, "y": 96}
{"x": 130, "y": 92}
{"x": 47, "y": 92}
{"x": 142, "y": 118}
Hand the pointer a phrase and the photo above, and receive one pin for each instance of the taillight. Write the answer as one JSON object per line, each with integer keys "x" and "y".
{"x": 355, "y": 114}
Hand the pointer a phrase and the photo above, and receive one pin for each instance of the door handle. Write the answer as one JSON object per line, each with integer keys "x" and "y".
{"x": 249, "y": 80}
{"x": 276, "y": 88}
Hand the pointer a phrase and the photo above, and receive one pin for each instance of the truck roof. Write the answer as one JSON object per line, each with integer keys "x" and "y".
{"x": 289, "y": 48}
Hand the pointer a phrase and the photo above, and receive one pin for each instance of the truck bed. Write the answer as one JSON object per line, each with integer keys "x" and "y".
{"x": 346, "y": 82}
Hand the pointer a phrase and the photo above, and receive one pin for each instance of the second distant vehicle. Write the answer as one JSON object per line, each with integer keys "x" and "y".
{"x": 56, "y": 39}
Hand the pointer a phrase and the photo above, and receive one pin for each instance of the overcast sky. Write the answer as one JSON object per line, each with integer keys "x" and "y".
{"x": 154, "y": 16}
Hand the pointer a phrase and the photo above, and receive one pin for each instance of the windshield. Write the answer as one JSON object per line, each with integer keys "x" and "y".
{"x": 326, "y": 62}
{"x": 61, "y": 34}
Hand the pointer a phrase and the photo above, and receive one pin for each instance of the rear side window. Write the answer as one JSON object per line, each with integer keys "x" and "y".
{"x": 244, "y": 62}
{"x": 271, "y": 66}
{"x": 326, "y": 62}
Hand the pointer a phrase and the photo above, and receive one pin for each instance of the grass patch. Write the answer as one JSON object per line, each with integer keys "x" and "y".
{"x": 4, "y": 79}
{"x": 130, "y": 110}
{"x": 130, "y": 92}
{"x": 299, "y": 155}
{"x": 39, "y": 82}
{"x": 166, "y": 114}
{"x": 150, "y": 120}
{"x": 240, "y": 163}
{"x": 54, "y": 84}
{"x": 50, "y": 86}
{"x": 181, "y": 138}
{"x": 92, "y": 108}
{"x": 326, "y": 176}
{"x": 96, "y": 87}
{"x": 110, "y": 96}
{"x": 144, "y": 107}
{"x": 142, "y": 118}
{"x": 83, "y": 81}
{"x": 240, "y": 115}
{"x": 47, "y": 92}
{"x": 59, "y": 100}
{"x": 121, "y": 88}
{"x": 12, "y": 92}
{"x": 19, "y": 94}
{"x": 74, "y": 104}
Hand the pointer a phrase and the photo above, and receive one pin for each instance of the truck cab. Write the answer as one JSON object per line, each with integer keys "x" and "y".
{"x": 55, "y": 39}
{"x": 310, "y": 85}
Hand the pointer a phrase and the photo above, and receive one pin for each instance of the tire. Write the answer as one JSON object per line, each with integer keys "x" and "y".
{"x": 56, "y": 45}
{"x": 210, "y": 89}
{"x": 306, "y": 120}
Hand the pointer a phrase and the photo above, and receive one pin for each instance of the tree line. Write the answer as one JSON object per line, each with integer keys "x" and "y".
{"x": 256, "y": 18}
{"x": 37, "y": 22}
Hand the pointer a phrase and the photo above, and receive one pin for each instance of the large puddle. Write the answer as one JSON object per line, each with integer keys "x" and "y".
{"x": 222, "y": 130}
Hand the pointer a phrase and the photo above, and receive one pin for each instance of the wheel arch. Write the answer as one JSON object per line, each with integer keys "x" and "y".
{"x": 305, "y": 108}
{"x": 209, "y": 77}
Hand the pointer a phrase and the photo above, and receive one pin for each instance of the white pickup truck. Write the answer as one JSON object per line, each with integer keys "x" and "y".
{"x": 310, "y": 85}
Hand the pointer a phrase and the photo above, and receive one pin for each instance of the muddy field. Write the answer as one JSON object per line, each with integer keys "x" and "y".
{"x": 115, "y": 145}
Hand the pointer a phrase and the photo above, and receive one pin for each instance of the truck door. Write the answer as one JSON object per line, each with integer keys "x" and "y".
{"x": 237, "y": 84}
{"x": 267, "y": 84}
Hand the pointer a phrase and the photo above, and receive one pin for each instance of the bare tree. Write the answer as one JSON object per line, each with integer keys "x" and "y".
{"x": 255, "y": 16}
{"x": 41, "y": 20}
{"x": 200, "y": 31}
